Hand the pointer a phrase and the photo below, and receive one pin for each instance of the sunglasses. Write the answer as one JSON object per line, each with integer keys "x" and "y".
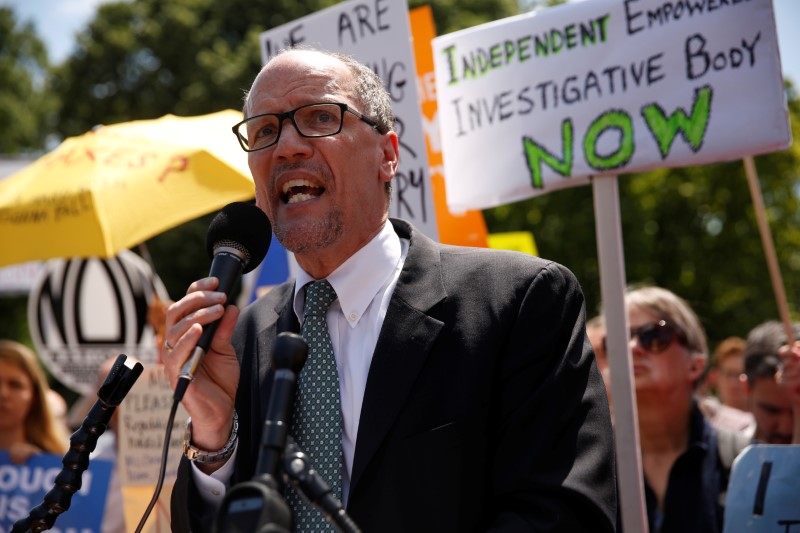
{"x": 656, "y": 336}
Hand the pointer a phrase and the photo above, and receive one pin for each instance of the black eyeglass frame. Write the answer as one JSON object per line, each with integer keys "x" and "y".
{"x": 290, "y": 115}
{"x": 647, "y": 335}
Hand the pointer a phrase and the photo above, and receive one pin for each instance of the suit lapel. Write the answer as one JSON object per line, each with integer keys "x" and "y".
{"x": 405, "y": 341}
{"x": 273, "y": 319}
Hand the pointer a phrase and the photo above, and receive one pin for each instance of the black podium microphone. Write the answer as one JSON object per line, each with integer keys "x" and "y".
{"x": 289, "y": 354}
{"x": 116, "y": 386}
{"x": 257, "y": 505}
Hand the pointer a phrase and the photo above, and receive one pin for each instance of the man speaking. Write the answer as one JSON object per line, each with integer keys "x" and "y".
{"x": 446, "y": 388}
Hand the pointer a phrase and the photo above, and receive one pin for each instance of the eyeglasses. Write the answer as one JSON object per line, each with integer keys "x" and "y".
{"x": 312, "y": 120}
{"x": 656, "y": 337}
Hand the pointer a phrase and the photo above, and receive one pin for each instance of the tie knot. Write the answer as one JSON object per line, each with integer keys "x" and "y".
{"x": 319, "y": 296}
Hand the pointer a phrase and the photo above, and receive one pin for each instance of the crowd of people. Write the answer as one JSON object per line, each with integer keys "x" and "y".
{"x": 696, "y": 415}
{"x": 472, "y": 395}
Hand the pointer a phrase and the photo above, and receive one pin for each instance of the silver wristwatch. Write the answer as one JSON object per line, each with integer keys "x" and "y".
{"x": 201, "y": 456}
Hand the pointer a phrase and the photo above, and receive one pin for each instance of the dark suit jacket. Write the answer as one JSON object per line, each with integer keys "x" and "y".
{"x": 483, "y": 410}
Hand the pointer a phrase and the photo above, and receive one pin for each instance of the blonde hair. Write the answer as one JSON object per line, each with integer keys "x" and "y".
{"x": 42, "y": 429}
{"x": 730, "y": 347}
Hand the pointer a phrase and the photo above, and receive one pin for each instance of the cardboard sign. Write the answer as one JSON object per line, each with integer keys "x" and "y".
{"x": 376, "y": 33}
{"x": 142, "y": 428}
{"x": 83, "y": 311}
{"x": 762, "y": 491}
{"x": 23, "y": 487}
{"x": 542, "y": 101}
{"x": 467, "y": 228}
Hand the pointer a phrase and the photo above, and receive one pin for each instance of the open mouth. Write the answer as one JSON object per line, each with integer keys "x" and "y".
{"x": 300, "y": 190}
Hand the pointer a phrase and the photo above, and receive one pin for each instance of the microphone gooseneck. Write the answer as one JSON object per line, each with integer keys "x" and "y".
{"x": 289, "y": 354}
{"x": 257, "y": 505}
{"x": 116, "y": 386}
{"x": 237, "y": 241}
{"x": 303, "y": 476}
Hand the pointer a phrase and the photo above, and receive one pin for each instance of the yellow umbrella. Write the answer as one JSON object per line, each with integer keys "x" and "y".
{"x": 117, "y": 186}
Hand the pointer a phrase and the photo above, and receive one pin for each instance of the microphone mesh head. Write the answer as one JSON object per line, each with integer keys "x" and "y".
{"x": 242, "y": 226}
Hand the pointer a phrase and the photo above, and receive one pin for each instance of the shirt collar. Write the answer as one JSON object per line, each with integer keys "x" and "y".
{"x": 358, "y": 279}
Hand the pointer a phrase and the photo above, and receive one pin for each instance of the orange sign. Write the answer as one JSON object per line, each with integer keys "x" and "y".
{"x": 468, "y": 228}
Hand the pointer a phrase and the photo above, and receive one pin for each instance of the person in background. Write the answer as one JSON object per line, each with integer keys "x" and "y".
{"x": 726, "y": 374}
{"x": 772, "y": 394}
{"x": 790, "y": 379}
{"x": 27, "y": 423}
{"x": 684, "y": 477}
{"x": 58, "y": 407}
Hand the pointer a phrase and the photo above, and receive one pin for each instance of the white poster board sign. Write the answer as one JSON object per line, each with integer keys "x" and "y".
{"x": 142, "y": 426}
{"x": 542, "y": 101}
{"x": 82, "y": 312}
{"x": 379, "y": 35}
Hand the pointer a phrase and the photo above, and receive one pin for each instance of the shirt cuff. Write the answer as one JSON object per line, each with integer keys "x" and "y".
{"x": 212, "y": 486}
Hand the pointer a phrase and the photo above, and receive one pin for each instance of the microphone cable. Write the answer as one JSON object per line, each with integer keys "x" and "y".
{"x": 235, "y": 242}
{"x": 163, "y": 469}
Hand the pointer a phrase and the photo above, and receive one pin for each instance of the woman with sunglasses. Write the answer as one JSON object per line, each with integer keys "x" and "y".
{"x": 683, "y": 474}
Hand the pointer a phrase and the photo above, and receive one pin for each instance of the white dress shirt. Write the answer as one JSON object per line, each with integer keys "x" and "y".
{"x": 364, "y": 284}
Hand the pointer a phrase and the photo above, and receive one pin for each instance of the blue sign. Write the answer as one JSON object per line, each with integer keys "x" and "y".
{"x": 22, "y": 487}
{"x": 273, "y": 271}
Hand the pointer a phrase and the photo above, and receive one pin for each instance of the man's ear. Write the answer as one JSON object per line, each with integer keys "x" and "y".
{"x": 697, "y": 366}
{"x": 390, "y": 151}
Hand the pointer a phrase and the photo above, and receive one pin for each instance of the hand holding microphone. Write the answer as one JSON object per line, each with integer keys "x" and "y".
{"x": 199, "y": 325}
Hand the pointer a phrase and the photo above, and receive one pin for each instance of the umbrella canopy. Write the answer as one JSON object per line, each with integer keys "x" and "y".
{"x": 117, "y": 186}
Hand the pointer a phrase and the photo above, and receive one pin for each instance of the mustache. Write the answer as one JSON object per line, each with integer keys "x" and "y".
{"x": 309, "y": 166}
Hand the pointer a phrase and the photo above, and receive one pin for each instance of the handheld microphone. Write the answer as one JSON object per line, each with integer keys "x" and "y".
{"x": 237, "y": 241}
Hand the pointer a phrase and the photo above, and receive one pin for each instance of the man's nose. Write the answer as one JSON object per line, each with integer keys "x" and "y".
{"x": 290, "y": 142}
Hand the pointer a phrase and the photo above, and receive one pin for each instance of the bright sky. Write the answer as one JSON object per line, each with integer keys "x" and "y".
{"x": 57, "y": 21}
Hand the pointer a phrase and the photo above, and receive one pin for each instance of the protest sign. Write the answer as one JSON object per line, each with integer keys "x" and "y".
{"x": 83, "y": 311}
{"x": 467, "y": 228}
{"x": 142, "y": 427}
{"x": 376, "y": 33}
{"x": 23, "y": 487}
{"x": 762, "y": 492}
{"x": 542, "y": 101}
{"x": 520, "y": 241}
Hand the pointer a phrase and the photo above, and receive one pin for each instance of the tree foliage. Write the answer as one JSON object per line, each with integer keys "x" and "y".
{"x": 691, "y": 230}
{"x": 23, "y": 105}
{"x": 145, "y": 58}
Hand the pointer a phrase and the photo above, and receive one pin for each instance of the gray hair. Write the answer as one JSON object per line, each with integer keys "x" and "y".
{"x": 670, "y": 307}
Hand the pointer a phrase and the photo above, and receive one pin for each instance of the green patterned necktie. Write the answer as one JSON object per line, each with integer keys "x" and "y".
{"x": 317, "y": 420}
